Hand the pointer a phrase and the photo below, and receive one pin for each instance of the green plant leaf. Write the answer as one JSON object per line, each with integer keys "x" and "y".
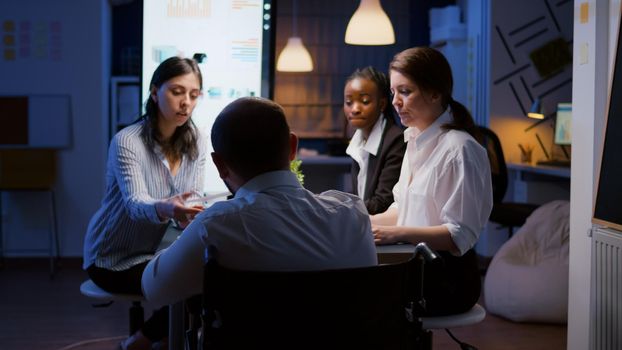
{"x": 294, "y": 166}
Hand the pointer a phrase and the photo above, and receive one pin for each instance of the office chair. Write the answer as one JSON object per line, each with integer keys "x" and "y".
{"x": 347, "y": 308}
{"x": 371, "y": 307}
{"x": 506, "y": 214}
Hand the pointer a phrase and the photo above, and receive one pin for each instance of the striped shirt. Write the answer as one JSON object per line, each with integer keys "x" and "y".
{"x": 126, "y": 229}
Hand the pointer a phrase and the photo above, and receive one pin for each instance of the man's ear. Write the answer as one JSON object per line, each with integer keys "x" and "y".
{"x": 293, "y": 146}
{"x": 221, "y": 166}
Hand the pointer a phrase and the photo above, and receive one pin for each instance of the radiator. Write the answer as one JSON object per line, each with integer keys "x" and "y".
{"x": 606, "y": 289}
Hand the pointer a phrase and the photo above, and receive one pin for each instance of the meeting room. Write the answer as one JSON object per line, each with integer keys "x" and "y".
{"x": 306, "y": 174}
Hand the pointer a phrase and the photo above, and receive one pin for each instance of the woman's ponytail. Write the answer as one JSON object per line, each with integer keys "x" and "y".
{"x": 462, "y": 119}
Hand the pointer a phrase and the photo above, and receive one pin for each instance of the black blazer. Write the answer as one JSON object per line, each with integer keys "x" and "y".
{"x": 383, "y": 170}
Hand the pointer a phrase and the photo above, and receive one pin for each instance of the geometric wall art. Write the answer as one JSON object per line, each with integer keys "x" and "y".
{"x": 532, "y": 54}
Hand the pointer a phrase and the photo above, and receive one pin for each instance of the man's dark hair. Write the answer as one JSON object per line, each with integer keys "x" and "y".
{"x": 251, "y": 134}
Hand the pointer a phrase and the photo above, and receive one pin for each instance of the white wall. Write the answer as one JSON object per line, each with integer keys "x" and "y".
{"x": 82, "y": 72}
{"x": 593, "y": 49}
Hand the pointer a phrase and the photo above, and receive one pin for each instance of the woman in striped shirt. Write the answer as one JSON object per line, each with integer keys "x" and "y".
{"x": 154, "y": 165}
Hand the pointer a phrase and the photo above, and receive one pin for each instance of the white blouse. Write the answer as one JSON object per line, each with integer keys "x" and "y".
{"x": 445, "y": 180}
{"x": 360, "y": 149}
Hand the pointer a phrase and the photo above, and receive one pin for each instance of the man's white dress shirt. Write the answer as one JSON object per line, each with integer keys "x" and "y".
{"x": 272, "y": 223}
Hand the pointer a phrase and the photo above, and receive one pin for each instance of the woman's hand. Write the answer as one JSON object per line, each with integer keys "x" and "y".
{"x": 190, "y": 213}
{"x": 386, "y": 234}
{"x": 176, "y": 209}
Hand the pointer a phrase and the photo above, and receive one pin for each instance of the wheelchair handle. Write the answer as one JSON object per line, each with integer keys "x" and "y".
{"x": 428, "y": 254}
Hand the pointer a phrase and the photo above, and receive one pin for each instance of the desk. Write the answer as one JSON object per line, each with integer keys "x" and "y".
{"x": 553, "y": 171}
{"x": 537, "y": 184}
{"x": 394, "y": 253}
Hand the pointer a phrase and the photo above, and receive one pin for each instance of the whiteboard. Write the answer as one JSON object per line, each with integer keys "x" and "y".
{"x": 235, "y": 38}
{"x": 607, "y": 207}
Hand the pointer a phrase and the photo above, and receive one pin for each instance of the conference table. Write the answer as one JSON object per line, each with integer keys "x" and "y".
{"x": 394, "y": 253}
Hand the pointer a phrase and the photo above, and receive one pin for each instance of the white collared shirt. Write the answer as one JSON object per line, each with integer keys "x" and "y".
{"x": 360, "y": 149}
{"x": 445, "y": 180}
{"x": 271, "y": 224}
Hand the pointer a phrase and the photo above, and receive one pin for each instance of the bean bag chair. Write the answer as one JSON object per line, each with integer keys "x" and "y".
{"x": 527, "y": 280}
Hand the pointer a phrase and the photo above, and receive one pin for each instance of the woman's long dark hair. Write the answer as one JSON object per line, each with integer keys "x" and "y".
{"x": 184, "y": 139}
{"x": 430, "y": 71}
{"x": 382, "y": 83}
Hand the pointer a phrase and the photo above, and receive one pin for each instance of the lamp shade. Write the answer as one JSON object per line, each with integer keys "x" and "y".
{"x": 536, "y": 110}
{"x": 370, "y": 25}
{"x": 294, "y": 57}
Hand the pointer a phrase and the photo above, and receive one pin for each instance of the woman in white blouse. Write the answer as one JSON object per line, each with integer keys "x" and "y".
{"x": 444, "y": 194}
{"x": 154, "y": 165}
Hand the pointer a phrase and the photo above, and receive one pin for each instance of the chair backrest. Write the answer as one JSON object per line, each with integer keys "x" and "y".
{"x": 498, "y": 168}
{"x": 345, "y": 308}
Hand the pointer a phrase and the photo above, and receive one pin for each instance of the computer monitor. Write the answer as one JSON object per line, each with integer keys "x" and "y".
{"x": 232, "y": 40}
{"x": 563, "y": 124}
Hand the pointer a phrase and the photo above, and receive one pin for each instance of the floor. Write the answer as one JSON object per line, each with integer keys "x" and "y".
{"x": 37, "y": 312}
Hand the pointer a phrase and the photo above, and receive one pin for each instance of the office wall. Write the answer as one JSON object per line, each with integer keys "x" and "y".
{"x": 518, "y": 28}
{"x": 74, "y": 61}
{"x": 514, "y": 30}
{"x": 83, "y": 69}
{"x": 313, "y": 101}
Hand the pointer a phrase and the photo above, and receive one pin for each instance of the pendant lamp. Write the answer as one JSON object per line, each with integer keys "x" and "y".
{"x": 370, "y": 25}
{"x": 294, "y": 57}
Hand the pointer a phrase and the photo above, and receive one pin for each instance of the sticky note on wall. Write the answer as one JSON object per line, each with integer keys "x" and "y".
{"x": 584, "y": 12}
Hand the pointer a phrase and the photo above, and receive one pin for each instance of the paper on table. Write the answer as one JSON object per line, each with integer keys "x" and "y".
{"x": 209, "y": 197}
